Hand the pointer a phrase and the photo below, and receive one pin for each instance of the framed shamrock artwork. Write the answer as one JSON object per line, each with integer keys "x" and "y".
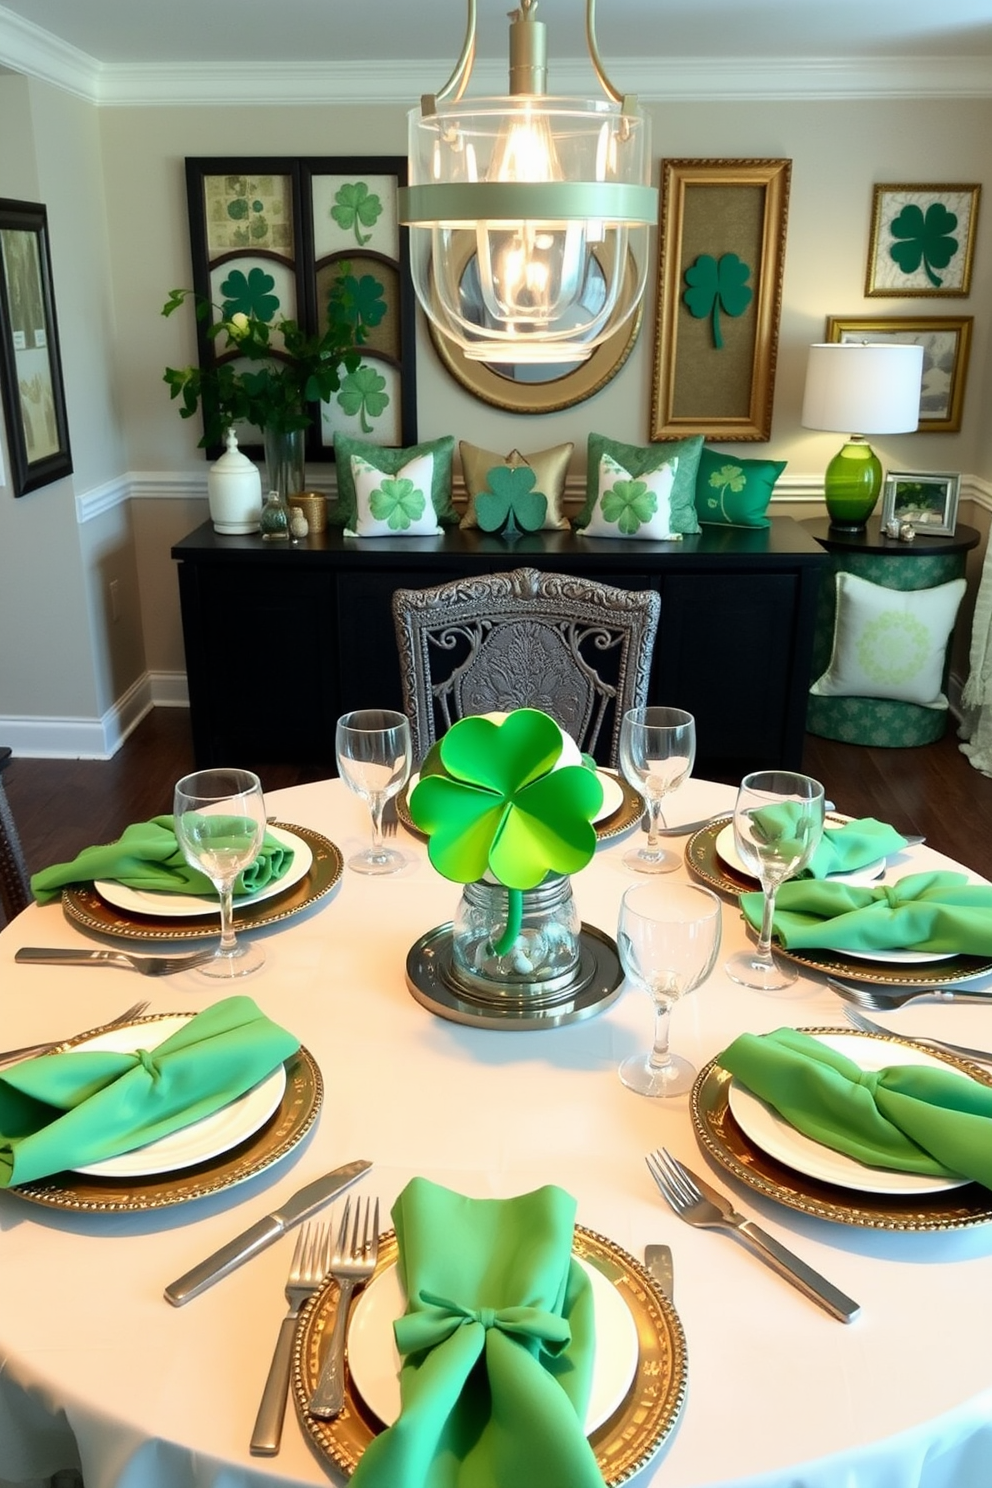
{"x": 270, "y": 236}
{"x": 922, "y": 240}
{"x": 720, "y": 262}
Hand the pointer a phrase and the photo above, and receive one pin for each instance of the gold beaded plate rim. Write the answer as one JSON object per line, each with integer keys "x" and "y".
{"x": 627, "y": 814}
{"x": 723, "y": 1140}
{"x": 89, "y": 911}
{"x": 704, "y": 862}
{"x": 274, "y": 1140}
{"x": 623, "y": 1444}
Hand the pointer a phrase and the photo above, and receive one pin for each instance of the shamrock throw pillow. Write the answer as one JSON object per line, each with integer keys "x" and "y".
{"x": 550, "y": 468}
{"x": 890, "y": 643}
{"x": 388, "y": 460}
{"x": 731, "y": 492}
{"x": 640, "y": 460}
{"x": 634, "y": 506}
{"x": 397, "y": 505}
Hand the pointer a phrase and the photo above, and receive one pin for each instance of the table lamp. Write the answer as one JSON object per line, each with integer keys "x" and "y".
{"x": 873, "y": 388}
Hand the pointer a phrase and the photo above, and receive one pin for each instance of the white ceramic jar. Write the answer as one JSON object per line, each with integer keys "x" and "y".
{"x": 234, "y": 490}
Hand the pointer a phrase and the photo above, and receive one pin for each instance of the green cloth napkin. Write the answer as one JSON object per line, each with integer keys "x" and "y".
{"x": 921, "y": 912}
{"x": 63, "y": 1111}
{"x": 498, "y": 1340}
{"x": 147, "y": 856}
{"x": 913, "y": 1119}
{"x": 841, "y": 849}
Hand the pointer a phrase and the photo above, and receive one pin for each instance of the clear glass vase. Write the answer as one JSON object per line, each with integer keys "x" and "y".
{"x": 285, "y": 466}
{"x": 545, "y": 952}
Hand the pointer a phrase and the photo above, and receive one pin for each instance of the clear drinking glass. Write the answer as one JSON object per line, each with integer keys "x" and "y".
{"x": 374, "y": 753}
{"x": 219, "y": 819}
{"x": 778, "y": 823}
{"x": 668, "y": 936}
{"x": 657, "y": 752}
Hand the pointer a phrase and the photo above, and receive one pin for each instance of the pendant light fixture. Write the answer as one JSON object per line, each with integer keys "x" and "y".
{"x": 529, "y": 215}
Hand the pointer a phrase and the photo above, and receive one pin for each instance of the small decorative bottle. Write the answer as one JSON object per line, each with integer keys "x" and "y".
{"x": 274, "y": 523}
{"x": 299, "y": 527}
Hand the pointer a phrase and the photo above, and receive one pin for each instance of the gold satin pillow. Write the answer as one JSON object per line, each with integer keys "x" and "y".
{"x": 550, "y": 469}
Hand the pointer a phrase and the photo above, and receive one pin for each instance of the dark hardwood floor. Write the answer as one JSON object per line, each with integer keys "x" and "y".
{"x": 62, "y": 806}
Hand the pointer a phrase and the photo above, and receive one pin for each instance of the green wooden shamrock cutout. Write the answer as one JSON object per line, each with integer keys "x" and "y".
{"x": 249, "y": 295}
{"x": 355, "y": 207}
{"x": 715, "y": 285}
{"x": 509, "y": 502}
{"x": 398, "y": 502}
{"x": 925, "y": 240}
{"x": 495, "y": 803}
{"x": 629, "y": 503}
{"x": 363, "y": 392}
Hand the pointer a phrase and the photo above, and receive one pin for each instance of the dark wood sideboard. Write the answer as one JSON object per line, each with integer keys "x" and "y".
{"x": 281, "y": 640}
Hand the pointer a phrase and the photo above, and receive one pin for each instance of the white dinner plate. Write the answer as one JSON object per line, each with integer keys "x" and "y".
{"x": 773, "y": 1134}
{"x": 375, "y": 1362}
{"x": 612, "y": 794}
{"x": 199, "y": 1142}
{"x": 726, "y": 847}
{"x": 164, "y": 904}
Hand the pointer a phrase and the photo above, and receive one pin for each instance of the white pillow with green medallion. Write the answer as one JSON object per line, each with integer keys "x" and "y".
{"x": 394, "y": 505}
{"x": 890, "y": 643}
{"x": 633, "y": 505}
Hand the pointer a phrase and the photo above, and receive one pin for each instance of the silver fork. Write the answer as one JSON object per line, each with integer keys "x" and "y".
{"x": 133, "y": 961}
{"x": 698, "y": 1204}
{"x": 311, "y": 1258}
{"x": 390, "y": 818}
{"x": 351, "y": 1266}
{"x": 858, "y": 1020}
{"x": 890, "y": 1002}
{"x": 8, "y": 1056}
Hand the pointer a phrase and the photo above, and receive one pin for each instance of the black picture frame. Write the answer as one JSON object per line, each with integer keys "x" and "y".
{"x": 284, "y": 226}
{"x": 33, "y": 390}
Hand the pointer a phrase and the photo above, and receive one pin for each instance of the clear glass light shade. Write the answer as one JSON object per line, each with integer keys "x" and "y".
{"x": 529, "y": 223}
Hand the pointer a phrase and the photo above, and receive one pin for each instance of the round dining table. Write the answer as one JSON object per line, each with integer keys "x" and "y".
{"x": 98, "y": 1370}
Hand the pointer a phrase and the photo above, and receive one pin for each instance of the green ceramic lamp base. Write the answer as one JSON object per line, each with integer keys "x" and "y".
{"x": 852, "y": 485}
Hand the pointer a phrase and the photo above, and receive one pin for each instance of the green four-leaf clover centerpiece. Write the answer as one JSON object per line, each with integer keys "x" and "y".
{"x": 508, "y": 805}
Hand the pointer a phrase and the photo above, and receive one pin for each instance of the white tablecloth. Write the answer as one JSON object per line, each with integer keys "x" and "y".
{"x": 92, "y": 1359}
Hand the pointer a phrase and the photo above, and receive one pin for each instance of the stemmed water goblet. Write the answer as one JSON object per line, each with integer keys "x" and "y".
{"x": 668, "y": 937}
{"x": 657, "y": 752}
{"x": 778, "y": 823}
{"x": 374, "y": 754}
{"x": 219, "y": 821}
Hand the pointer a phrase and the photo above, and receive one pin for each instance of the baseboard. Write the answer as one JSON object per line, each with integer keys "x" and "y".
{"x": 95, "y": 738}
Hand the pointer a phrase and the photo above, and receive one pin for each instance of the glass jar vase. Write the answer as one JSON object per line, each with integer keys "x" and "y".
{"x": 543, "y": 958}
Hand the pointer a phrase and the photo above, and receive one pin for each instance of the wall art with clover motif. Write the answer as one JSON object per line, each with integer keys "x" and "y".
{"x": 269, "y": 237}
{"x": 720, "y": 262}
{"x": 922, "y": 240}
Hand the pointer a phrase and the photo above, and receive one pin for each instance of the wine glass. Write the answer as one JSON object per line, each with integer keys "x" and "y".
{"x": 373, "y": 753}
{"x": 668, "y": 937}
{"x": 778, "y": 823}
{"x": 657, "y": 750}
{"x": 219, "y": 821}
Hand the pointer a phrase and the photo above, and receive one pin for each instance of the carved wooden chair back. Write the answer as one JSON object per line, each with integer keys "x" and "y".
{"x": 15, "y": 890}
{"x": 578, "y": 649}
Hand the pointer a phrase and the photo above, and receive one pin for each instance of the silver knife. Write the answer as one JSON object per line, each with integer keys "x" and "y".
{"x": 299, "y": 1207}
{"x": 658, "y": 1259}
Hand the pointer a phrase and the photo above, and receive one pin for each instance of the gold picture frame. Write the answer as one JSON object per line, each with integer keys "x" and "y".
{"x": 946, "y": 342}
{"x": 922, "y": 241}
{"x": 715, "y": 375}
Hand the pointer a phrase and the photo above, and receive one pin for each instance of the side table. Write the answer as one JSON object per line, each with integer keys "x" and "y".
{"x": 869, "y": 554}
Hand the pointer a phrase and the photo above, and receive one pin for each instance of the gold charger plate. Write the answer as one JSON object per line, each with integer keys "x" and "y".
{"x": 623, "y": 1444}
{"x": 721, "y": 1137}
{"x": 704, "y": 862}
{"x": 285, "y": 1128}
{"x": 90, "y": 911}
{"x": 627, "y": 814}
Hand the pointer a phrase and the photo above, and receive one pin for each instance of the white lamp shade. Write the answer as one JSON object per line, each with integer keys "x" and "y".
{"x": 855, "y": 387}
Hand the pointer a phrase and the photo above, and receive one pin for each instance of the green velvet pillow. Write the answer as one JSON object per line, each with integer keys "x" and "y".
{"x": 641, "y": 459}
{"x": 344, "y": 511}
{"x": 731, "y": 492}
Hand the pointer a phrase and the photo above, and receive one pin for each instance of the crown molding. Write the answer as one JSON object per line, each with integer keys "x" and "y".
{"x": 29, "y": 49}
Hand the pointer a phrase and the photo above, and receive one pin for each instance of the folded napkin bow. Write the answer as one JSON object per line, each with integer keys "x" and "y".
{"x": 907, "y": 1117}
{"x": 147, "y": 856}
{"x": 63, "y": 1111}
{"x": 498, "y": 1341}
{"x": 921, "y": 912}
{"x": 841, "y": 849}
